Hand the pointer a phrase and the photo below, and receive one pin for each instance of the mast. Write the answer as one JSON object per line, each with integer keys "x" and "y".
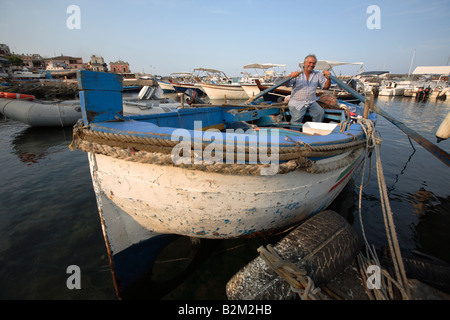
{"x": 410, "y": 67}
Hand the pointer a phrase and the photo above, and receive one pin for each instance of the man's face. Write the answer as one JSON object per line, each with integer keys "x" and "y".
{"x": 310, "y": 64}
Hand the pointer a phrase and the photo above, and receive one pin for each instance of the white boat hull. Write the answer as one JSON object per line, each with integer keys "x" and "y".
{"x": 410, "y": 93}
{"x": 385, "y": 92}
{"x": 250, "y": 89}
{"x": 219, "y": 91}
{"x": 398, "y": 91}
{"x": 140, "y": 200}
{"x": 166, "y": 86}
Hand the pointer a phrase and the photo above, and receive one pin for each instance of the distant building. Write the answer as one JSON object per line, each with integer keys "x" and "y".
{"x": 33, "y": 62}
{"x": 119, "y": 67}
{"x": 98, "y": 64}
{"x": 65, "y": 62}
{"x": 5, "y": 67}
{"x": 4, "y": 50}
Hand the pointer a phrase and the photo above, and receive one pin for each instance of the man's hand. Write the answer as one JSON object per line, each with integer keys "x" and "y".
{"x": 326, "y": 74}
{"x": 295, "y": 74}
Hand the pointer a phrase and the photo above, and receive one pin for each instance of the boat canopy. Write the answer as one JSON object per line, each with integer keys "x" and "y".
{"x": 328, "y": 65}
{"x": 208, "y": 70}
{"x": 443, "y": 70}
{"x": 263, "y": 66}
{"x": 373, "y": 73}
{"x": 181, "y": 74}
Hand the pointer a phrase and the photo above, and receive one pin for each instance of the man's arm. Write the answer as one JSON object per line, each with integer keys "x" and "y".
{"x": 327, "y": 84}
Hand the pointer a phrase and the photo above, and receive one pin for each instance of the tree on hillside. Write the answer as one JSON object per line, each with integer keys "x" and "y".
{"x": 15, "y": 60}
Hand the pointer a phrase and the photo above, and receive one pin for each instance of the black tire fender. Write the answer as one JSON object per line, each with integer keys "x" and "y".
{"x": 323, "y": 246}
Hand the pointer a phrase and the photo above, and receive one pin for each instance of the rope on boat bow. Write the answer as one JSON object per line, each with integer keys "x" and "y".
{"x": 159, "y": 151}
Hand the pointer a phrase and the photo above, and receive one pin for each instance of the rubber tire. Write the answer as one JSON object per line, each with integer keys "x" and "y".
{"x": 324, "y": 245}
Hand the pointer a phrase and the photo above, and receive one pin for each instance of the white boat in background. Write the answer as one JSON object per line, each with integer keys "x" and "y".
{"x": 398, "y": 91}
{"x": 182, "y": 81}
{"x": 218, "y": 86}
{"x": 391, "y": 89}
{"x": 443, "y": 93}
{"x": 251, "y": 89}
{"x": 249, "y": 84}
{"x": 437, "y": 93}
{"x": 27, "y": 75}
{"x": 385, "y": 92}
{"x": 410, "y": 92}
{"x": 224, "y": 91}
{"x": 166, "y": 86}
{"x": 412, "y": 89}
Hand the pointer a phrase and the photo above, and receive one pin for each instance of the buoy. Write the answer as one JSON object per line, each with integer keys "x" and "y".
{"x": 323, "y": 246}
{"x": 12, "y": 95}
{"x": 443, "y": 132}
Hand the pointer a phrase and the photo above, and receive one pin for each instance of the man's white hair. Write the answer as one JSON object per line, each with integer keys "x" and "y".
{"x": 310, "y": 56}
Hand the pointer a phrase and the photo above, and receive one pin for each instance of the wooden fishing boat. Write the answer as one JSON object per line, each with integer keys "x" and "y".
{"x": 212, "y": 172}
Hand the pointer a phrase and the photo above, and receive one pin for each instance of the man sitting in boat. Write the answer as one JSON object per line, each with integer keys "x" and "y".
{"x": 304, "y": 84}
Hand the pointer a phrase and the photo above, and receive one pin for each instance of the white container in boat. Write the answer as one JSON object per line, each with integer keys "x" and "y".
{"x": 318, "y": 128}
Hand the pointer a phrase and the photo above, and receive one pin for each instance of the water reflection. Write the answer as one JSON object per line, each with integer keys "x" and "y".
{"x": 34, "y": 144}
{"x": 433, "y": 220}
{"x": 397, "y": 176}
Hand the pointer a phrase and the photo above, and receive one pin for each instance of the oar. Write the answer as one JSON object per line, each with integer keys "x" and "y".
{"x": 429, "y": 146}
{"x": 279, "y": 84}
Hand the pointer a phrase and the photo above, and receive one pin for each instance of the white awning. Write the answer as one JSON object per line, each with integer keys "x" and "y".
{"x": 432, "y": 70}
{"x": 181, "y": 73}
{"x": 208, "y": 70}
{"x": 263, "y": 66}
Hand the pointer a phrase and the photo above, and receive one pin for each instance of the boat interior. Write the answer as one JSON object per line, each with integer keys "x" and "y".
{"x": 223, "y": 118}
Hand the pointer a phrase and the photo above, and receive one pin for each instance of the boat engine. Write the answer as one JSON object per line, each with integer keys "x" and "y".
{"x": 191, "y": 96}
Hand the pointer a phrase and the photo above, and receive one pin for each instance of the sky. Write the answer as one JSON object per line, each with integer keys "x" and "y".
{"x": 165, "y": 36}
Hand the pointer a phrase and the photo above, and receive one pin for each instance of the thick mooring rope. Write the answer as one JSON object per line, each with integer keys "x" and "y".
{"x": 159, "y": 151}
{"x": 400, "y": 281}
